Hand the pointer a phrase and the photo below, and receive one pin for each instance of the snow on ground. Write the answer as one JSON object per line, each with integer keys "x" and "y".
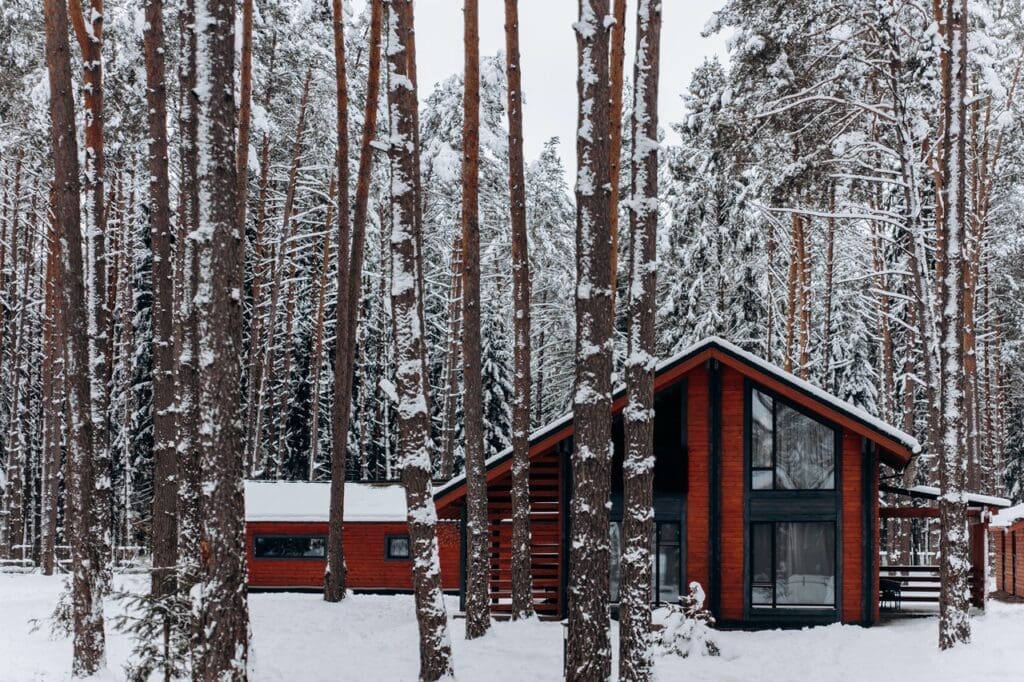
{"x": 368, "y": 637}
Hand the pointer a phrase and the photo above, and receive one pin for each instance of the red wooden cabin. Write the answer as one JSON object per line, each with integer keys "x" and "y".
{"x": 766, "y": 493}
{"x": 1007, "y": 537}
{"x": 286, "y": 537}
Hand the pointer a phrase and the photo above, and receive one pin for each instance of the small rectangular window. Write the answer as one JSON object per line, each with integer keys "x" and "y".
{"x": 290, "y": 547}
{"x": 398, "y": 547}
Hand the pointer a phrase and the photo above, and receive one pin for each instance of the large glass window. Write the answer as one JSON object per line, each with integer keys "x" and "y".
{"x": 666, "y": 561}
{"x": 793, "y": 565}
{"x": 788, "y": 449}
{"x": 290, "y": 547}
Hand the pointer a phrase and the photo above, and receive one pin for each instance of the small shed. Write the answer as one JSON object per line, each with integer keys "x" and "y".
{"x": 1007, "y": 535}
{"x": 286, "y": 526}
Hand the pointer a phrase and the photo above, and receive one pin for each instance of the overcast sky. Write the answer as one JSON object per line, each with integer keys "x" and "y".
{"x": 548, "y": 53}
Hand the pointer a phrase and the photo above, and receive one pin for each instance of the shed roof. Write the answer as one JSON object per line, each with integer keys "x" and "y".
{"x": 309, "y": 501}
{"x": 897, "y": 447}
{"x": 1007, "y": 517}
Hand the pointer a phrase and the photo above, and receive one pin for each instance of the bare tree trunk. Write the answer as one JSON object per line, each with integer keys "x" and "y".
{"x": 244, "y": 113}
{"x": 804, "y": 268}
{"x": 954, "y": 625}
{"x": 589, "y": 647}
{"x": 792, "y": 292}
{"x": 89, "y": 32}
{"x": 478, "y": 615}
{"x": 335, "y": 577}
{"x": 164, "y": 531}
{"x": 522, "y": 583}
{"x": 616, "y": 67}
{"x": 413, "y": 414}
{"x": 452, "y": 364}
{"x": 830, "y": 252}
{"x": 73, "y": 330}
{"x": 223, "y": 616}
{"x": 638, "y": 415}
{"x": 318, "y": 335}
{"x": 52, "y": 403}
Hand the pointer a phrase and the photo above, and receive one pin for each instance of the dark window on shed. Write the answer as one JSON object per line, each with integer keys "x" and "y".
{"x": 398, "y": 547}
{"x": 670, "y": 457}
{"x": 290, "y": 547}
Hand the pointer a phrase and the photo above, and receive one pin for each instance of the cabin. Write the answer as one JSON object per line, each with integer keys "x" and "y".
{"x": 286, "y": 537}
{"x": 766, "y": 492}
{"x": 1007, "y": 538}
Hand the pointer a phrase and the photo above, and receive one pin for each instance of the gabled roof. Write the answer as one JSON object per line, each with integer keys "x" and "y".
{"x": 309, "y": 501}
{"x": 1008, "y": 517}
{"x": 928, "y": 492}
{"x": 896, "y": 446}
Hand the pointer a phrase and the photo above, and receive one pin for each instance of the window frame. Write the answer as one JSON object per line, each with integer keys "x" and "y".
{"x": 656, "y": 545}
{"x": 837, "y": 449}
{"x": 311, "y": 536}
{"x": 389, "y": 555}
{"x": 775, "y": 607}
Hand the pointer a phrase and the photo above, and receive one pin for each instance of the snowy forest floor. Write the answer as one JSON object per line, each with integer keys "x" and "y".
{"x": 368, "y": 637}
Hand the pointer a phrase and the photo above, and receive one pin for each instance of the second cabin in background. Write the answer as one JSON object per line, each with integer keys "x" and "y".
{"x": 286, "y": 537}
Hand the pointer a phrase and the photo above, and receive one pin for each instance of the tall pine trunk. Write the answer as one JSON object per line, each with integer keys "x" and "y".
{"x": 638, "y": 415}
{"x": 478, "y": 616}
{"x": 223, "y": 613}
{"x": 522, "y": 583}
{"x": 589, "y": 647}
{"x": 414, "y": 442}
{"x": 87, "y": 607}
{"x": 164, "y": 531}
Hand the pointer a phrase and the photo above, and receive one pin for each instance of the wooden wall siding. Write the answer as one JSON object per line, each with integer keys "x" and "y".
{"x": 697, "y": 503}
{"x": 545, "y": 537}
{"x": 733, "y": 489}
{"x": 852, "y": 530}
{"x": 876, "y": 548}
{"x": 1008, "y": 546}
{"x": 365, "y": 556}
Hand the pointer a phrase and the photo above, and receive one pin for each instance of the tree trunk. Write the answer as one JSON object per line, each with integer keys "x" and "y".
{"x": 244, "y": 113}
{"x": 52, "y": 403}
{"x": 318, "y": 335}
{"x": 589, "y": 648}
{"x": 414, "y": 441}
{"x": 223, "y": 614}
{"x": 73, "y": 330}
{"x": 164, "y": 532}
{"x": 638, "y": 415}
{"x": 522, "y": 583}
{"x": 954, "y": 624}
{"x": 452, "y": 364}
{"x": 335, "y": 575}
{"x": 616, "y": 68}
{"x": 478, "y": 615}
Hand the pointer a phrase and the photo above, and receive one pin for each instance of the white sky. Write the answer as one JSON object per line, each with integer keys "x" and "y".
{"x": 548, "y": 55}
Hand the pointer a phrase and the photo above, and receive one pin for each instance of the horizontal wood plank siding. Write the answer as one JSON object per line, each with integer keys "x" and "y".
{"x": 852, "y": 532}
{"x": 365, "y": 557}
{"x": 733, "y": 486}
{"x": 697, "y": 502}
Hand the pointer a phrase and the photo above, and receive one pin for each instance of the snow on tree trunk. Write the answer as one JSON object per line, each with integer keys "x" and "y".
{"x": 522, "y": 583}
{"x": 954, "y": 625}
{"x": 638, "y": 415}
{"x": 414, "y": 443}
{"x": 335, "y": 574}
{"x": 164, "y": 525}
{"x": 222, "y": 616}
{"x": 589, "y": 647}
{"x": 478, "y": 615}
{"x": 87, "y": 607}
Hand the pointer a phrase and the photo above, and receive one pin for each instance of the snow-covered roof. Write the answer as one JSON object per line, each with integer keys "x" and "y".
{"x": 728, "y": 348}
{"x": 972, "y": 498}
{"x": 310, "y": 501}
{"x": 1007, "y": 517}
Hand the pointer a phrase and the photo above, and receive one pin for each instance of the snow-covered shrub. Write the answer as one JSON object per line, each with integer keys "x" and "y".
{"x": 685, "y": 629}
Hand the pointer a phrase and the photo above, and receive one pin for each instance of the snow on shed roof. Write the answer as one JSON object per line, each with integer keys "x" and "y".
{"x": 310, "y": 501}
{"x": 743, "y": 356}
{"x": 1007, "y": 517}
{"x": 972, "y": 498}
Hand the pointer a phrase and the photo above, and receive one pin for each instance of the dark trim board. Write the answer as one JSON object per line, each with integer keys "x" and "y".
{"x": 564, "y": 450}
{"x": 869, "y": 468}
